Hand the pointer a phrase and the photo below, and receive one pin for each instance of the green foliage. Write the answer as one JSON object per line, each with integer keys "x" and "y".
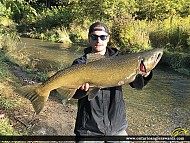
{"x": 79, "y": 33}
{"x": 54, "y": 17}
{"x": 5, "y": 9}
{"x": 101, "y": 10}
{"x": 6, "y": 128}
{"x": 44, "y": 23}
{"x": 172, "y": 36}
{"x": 162, "y": 9}
{"x": 49, "y": 24}
{"x": 4, "y": 72}
{"x": 18, "y": 10}
{"x": 8, "y": 33}
{"x": 172, "y": 39}
{"x": 7, "y": 103}
{"x": 177, "y": 61}
{"x": 130, "y": 34}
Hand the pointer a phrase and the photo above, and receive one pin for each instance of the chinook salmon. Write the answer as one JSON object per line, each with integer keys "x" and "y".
{"x": 99, "y": 73}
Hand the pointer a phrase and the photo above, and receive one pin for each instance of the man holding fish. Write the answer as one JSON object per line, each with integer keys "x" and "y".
{"x": 95, "y": 79}
{"x": 105, "y": 114}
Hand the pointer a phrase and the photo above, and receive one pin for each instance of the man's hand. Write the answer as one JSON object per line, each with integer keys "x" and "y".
{"x": 146, "y": 74}
{"x": 85, "y": 87}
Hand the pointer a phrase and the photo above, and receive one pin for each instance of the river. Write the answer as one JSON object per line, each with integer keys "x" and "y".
{"x": 162, "y": 106}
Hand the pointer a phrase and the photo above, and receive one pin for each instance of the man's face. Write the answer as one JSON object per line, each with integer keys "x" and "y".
{"x": 98, "y": 40}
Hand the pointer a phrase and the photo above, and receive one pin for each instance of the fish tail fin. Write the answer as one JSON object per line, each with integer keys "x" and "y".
{"x": 35, "y": 95}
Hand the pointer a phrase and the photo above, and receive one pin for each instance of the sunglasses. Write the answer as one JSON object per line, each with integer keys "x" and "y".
{"x": 95, "y": 37}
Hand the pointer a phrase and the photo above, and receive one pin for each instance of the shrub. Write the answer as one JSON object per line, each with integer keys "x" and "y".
{"x": 171, "y": 35}
{"x": 131, "y": 34}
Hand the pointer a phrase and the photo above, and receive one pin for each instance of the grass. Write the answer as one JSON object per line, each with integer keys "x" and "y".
{"x": 7, "y": 101}
{"x": 3, "y": 66}
{"x": 177, "y": 61}
{"x": 6, "y": 127}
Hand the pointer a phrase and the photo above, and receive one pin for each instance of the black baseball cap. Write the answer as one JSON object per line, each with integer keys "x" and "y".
{"x": 96, "y": 24}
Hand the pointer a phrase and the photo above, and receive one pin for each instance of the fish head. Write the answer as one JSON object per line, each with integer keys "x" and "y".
{"x": 149, "y": 59}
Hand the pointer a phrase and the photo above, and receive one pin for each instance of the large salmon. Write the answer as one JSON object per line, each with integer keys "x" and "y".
{"x": 99, "y": 73}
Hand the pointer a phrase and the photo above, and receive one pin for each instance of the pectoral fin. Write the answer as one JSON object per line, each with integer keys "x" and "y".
{"x": 92, "y": 93}
{"x": 66, "y": 93}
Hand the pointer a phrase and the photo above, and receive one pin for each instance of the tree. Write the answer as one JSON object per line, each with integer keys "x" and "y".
{"x": 162, "y": 9}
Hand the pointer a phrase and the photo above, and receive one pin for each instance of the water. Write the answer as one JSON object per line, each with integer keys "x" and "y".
{"x": 49, "y": 55}
{"x": 162, "y": 106}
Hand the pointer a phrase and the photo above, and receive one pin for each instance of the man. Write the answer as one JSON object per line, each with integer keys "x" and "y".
{"x": 106, "y": 113}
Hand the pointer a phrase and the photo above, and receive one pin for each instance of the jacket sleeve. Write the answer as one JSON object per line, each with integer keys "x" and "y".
{"x": 79, "y": 93}
{"x": 140, "y": 81}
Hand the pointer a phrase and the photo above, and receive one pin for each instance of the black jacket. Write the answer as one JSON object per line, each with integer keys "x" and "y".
{"x": 106, "y": 113}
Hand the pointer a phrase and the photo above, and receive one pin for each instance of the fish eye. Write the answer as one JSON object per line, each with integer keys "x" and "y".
{"x": 141, "y": 59}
